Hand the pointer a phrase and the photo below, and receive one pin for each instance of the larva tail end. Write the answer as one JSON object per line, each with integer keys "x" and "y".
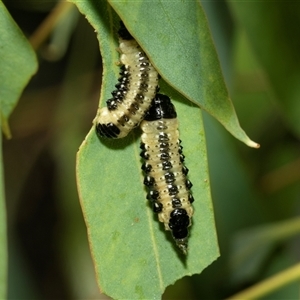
{"x": 182, "y": 245}
{"x": 178, "y": 224}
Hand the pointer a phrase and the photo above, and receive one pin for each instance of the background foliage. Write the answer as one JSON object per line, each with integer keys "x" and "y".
{"x": 255, "y": 192}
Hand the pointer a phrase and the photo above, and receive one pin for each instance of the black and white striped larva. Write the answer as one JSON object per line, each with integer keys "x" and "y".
{"x": 165, "y": 173}
{"x": 138, "y": 84}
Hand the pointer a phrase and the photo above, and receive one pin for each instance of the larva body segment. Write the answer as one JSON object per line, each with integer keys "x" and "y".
{"x": 165, "y": 173}
{"x": 137, "y": 86}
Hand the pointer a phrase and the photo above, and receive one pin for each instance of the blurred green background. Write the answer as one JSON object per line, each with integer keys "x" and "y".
{"x": 255, "y": 193}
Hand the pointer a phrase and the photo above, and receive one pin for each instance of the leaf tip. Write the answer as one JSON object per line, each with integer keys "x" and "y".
{"x": 252, "y": 144}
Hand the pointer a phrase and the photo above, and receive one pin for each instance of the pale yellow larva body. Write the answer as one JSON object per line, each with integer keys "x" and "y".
{"x": 136, "y": 89}
{"x": 169, "y": 189}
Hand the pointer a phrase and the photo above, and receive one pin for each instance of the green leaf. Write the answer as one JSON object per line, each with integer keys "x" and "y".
{"x": 18, "y": 63}
{"x": 251, "y": 247}
{"x": 134, "y": 257}
{"x": 176, "y": 37}
{"x": 273, "y": 35}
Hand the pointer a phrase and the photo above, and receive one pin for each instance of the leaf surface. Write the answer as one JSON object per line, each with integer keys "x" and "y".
{"x": 133, "y": 255}
{"x": 176, "y": 37}
{"x": 18, "y": 63}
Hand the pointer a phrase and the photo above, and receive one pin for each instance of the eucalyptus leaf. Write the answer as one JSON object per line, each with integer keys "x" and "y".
{"x": 18, "y": 63}
{"x": 133, "y": 255}
{"x": 176, "y": 37}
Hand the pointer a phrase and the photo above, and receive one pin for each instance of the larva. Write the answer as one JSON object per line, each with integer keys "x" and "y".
{"x": 138, "y": 84}
{"x": 165, "y": 174}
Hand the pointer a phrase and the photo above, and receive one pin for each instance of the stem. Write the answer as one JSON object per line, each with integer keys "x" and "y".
{"x": 269, "y": 285}
{"x": 43, "y": 31}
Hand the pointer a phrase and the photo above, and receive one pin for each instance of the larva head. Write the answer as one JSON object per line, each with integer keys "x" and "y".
{"x": 161, "y": 108}
{"x": 179, "y": 223}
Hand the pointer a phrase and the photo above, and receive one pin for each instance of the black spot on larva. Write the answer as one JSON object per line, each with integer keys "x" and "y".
{"x": 124, "y": 80}
{"x": 149, "y": 181}
{"x": 191, "y": 198}
{"x": 121, "y": 86}
{"x": 145, "y": 64}
{"x": 176, "y": 203}
{"x": 152, "y": 195}
{"x": 164, "y": 156}
{"x": 157, "y": 207}
{"x": 166, "y": 165}
{"x": 140, "y": 98}
{"x": 162, "y": 127}
{"x": 124, "y": 73}
{"x": 144, "y": 154}
{"x": 118, "y": 94}
{"x": 188, "y": 184}
{"x": 173, "y": 190}
{"x": 146, "y": 168}
{"x": 182, "y": 158}
{"x": 169, "y": 177}
{"x": 134, "y": 107}
{"x": 124, "y": 119}
{"x": 143, "y": 87}
{"x": 112, "y": 104}
{"x": 164, "y": 145}
{"x": 164, "y": 150}
{"x": 122, "y": 68}
{"x": 144, "y": 67}
{"x": 180, "y": 149}
{"x": 141, "y": 56}
{"x": 144, "y": 74}
{"x": 163, "y": 137}
{"x": 185, "y": 170}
